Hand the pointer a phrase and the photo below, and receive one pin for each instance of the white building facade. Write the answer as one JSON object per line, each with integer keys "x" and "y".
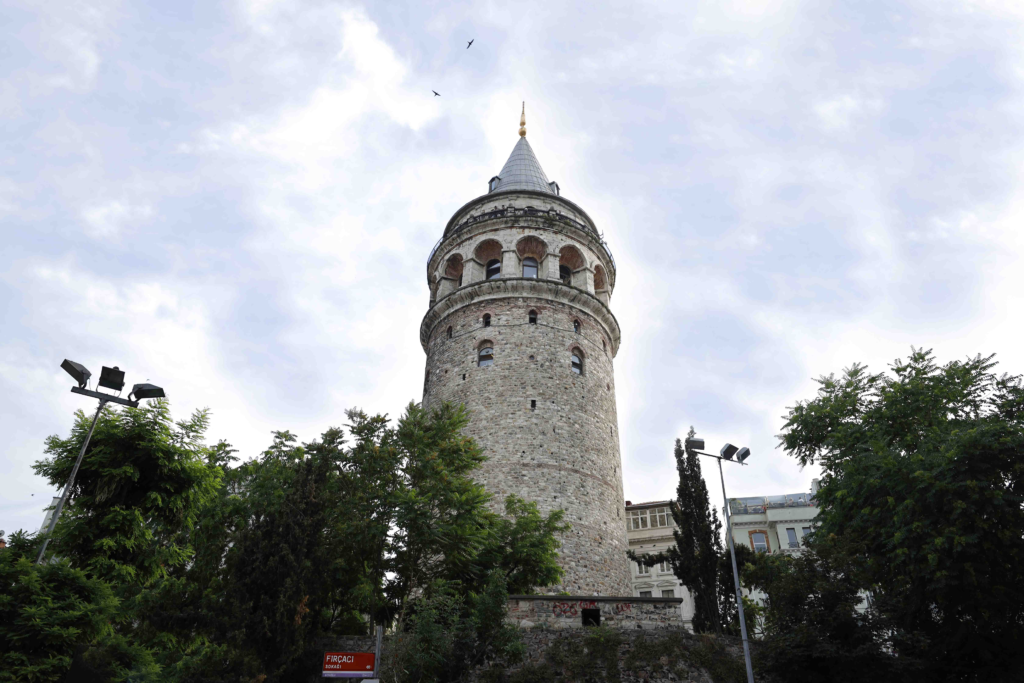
{"x": 773, "y": 523}
{"x": 762, "y": 523}
{"x": 649, "y": 528}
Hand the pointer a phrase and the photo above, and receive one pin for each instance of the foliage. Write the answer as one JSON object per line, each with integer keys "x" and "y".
{"x": 421, "y": 518}
{"x": 449, "y": 633}
{"x": 142, "y": 483}
{"x": 812, "y": 627}
{"x": 307, "y": 538}
{"x": 142, "y": 480}
{"x": 524, "y": 546}
{"x": 922, "y": 487}
{"x": 727, "y": 591}
{"x": 603, "y": 655}
{"x": 216, "y": 571}
{"x": 45, "y": 611}
{"x": 697, "y": 555}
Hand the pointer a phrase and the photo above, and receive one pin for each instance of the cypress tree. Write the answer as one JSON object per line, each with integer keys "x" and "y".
{"x": 698, "y": 552}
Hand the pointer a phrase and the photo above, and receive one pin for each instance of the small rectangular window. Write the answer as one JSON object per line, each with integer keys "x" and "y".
{"x": 760, "y": 541}
{"x": 642, "y": 570}
{"x": 533, "y": 404}
{"x": 791, "y": 534}
{"x": 645, "y": 594}
{"x": 638, "y": 518}
{"x": 807, "y": 530}
{"x": 665, "y": 567}
{"x": 659, "y": 517}
{"x": 668, "y": 594}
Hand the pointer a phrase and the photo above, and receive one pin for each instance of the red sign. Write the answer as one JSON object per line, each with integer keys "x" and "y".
{"x": 348, "y": 664}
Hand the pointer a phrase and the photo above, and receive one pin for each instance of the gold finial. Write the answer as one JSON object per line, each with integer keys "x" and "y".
{"x": 522, "y": 122}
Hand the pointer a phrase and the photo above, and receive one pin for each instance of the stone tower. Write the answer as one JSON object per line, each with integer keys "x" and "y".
{"x": 520, "y": 331}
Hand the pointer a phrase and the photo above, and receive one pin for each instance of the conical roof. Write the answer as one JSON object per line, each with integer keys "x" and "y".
{"x": 522, "y": 171}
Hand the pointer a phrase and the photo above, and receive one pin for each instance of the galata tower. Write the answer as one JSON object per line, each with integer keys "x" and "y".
{"x": 520, "y": 331}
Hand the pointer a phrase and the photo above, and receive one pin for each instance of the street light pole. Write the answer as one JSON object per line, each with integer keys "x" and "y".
{"x": 111, "y": 378}
{"x": 728, "y": 451}
{"x": 71, "y": 481}
{"x": 736, "y": 578}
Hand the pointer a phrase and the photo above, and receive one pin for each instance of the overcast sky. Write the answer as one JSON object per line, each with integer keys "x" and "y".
{"x": 236, "y": 200}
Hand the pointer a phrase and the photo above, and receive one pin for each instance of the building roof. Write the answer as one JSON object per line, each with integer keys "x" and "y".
{"x": 631, "y": 504}
{"x": 522, "y": 171}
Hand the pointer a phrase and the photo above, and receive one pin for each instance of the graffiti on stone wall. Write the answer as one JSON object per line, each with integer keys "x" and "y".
{"x": 571, "y": 609}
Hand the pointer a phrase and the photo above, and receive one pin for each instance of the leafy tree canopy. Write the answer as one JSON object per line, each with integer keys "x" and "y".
{"x": 922, "y": 487}
{"x": 143, "y": 480}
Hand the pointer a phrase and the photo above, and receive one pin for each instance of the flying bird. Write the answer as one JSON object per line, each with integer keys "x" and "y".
{"x": 436, "y": 94}
{"x": 469, "y": 43}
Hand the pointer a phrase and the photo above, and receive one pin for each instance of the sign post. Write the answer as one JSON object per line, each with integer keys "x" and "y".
{"x": 349, "y": 664}
{"x": 364, "y": 665}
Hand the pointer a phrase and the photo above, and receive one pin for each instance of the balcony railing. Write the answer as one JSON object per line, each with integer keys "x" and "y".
{"x": 761, "y": 504}
{"x": 529, "y": 211}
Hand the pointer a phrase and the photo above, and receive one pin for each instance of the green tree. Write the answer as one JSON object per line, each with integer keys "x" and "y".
{"x": 524, "y": 546}
{"x": 727, "y": 591}
{"x": 419, "y": 517}
{"x": 307, "y": 537}
{"x": 922, "y": 486}
{"x": 142, "y": 484}
{"x": 697, "y": 556}
{"x": 45, "y": 612}
{"x": 450, "y": 632}
{"x": 814, "y": 625}
{"x": 142, "y": 481}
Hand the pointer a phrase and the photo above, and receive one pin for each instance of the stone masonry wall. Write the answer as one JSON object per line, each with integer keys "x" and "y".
{"x": 566, "y": 612}
{"x": 551, "y": 435}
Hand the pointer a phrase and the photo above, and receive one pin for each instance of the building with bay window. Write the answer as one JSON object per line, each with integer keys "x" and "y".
{"x": 649, "y": 528}
{"x": 770, "y": 524}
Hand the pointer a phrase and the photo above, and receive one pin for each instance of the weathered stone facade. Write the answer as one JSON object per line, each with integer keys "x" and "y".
{"x": 549, "y": 428}
{"x": 574, "y": 611}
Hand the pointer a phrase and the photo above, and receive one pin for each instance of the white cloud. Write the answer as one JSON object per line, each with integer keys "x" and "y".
{"x": 109, "y": 219}
{"x": 841, "y": 112}
{"x": 785, "y": 191}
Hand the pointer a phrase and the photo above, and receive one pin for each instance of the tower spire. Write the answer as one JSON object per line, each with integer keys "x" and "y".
{"x": 522, "y": 122}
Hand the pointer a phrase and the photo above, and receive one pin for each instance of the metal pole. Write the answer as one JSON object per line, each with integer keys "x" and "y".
{"x": 376, "y": 657}
{"x": 67, "y": 487}
{"x": 736, "y": 579}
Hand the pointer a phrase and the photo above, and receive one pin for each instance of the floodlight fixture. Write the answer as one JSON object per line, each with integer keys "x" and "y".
{"x": 141, "y": 391}
{"x": 78, "y": 371}
{"x": 728, "y": 450}
{"x": 742, "y": 454}
{"x": 694, "y": 444}
{"x": 112, "y": 378}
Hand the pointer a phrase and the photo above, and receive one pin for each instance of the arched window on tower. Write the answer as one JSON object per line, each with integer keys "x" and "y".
{"x": 453, "y": 269}
{"x": 570, "y": 261}
{"x": 576, "y": 326}
{"x": 529, "y": 267}
{"x": 449, "y": 331}
{"x": 487, "y": 319}
{"x": 577, "y": 361}
{"x": 493, "y": 269}
{"x": 485, "y": 356}
{"x": 533, "y": 317}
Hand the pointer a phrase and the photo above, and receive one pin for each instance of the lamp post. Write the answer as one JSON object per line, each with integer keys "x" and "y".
{"x": 741, "y": 454}
{"x": 111, "y": 378}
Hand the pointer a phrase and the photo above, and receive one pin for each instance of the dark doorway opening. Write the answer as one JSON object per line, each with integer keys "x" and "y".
{"x": 591, "y": 617}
